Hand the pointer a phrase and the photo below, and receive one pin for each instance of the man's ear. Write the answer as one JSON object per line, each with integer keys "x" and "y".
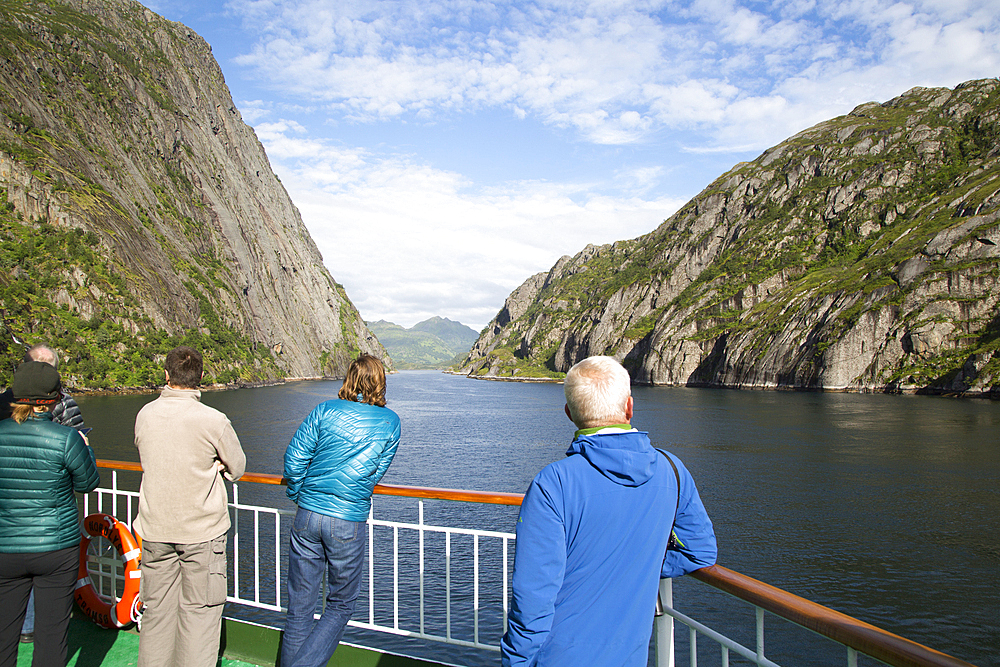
{"x": 566, "y": 407}
{"x": 629, "y": 405}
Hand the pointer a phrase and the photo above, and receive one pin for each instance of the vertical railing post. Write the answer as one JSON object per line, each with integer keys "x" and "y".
{"x": 420, "y": 512}
{"x": 395, "y": 577}
{"x": 114, "y": 494}
{"x": 277, "y": 559}
{"x": 128, "y": 511}
{"x": 447, "y": 583}
{"x": 236, "y": 542}
{"x": 664, "y": 627}
{"x": 506, "y": 585}
{"x": 256, "y": 556}
{"x": 371, "y": 565}
{"x": 475, "y": 589}
{"x": 760, "y": 635}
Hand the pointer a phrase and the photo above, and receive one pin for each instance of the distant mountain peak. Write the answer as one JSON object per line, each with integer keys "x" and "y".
{"x": 436, "y": 342}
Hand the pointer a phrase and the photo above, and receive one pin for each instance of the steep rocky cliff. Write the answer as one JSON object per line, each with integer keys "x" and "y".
{"x": 861, "y": 254}
{"x": 149, "y": 209}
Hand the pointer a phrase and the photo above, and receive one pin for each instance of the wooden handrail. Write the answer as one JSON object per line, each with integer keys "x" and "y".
{"x": 461, "y": 495}
{"x": 119, "y": 465}
{"x": 492, "y": 498}
{"x": 866, "y": 638}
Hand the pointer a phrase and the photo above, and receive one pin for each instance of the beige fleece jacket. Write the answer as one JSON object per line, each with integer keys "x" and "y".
{"x": 181, "y": 442}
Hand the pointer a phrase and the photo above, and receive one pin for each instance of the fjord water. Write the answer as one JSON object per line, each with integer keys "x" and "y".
{"x": 883, "y": 507}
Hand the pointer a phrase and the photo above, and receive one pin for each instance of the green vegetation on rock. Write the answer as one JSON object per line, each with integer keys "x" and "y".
{"x": 140, "y": 212}
{"x": 862, "y": 254}
{"x": 110, "y": 345}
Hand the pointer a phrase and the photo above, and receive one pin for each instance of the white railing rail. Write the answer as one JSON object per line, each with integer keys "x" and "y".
{"x": 856, "y": 637}
{"x": 262, "y": 547}
{"x": 664, "y": 630}
{"x": 255, "y": 535}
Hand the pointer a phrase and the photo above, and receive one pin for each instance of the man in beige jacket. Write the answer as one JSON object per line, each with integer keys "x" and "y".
{"x": 185, "y": 449}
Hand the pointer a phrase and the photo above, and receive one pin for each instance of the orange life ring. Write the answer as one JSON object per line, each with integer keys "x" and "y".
{"x": 127, "y": 609}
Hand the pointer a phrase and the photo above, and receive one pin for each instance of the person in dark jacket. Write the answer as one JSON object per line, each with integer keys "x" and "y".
{"x": 593, "y": 535}
{"x": 65, "y": 412}
{"x": 42, "y": 466}
{"x": 335, "y": 459}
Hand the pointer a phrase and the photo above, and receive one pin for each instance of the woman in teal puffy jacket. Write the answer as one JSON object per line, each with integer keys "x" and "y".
{"x": 335, "y": 459}
{"x": 42, "y": 466}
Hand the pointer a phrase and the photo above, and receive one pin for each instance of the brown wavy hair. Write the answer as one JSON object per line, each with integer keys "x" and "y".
{"x": 365, "y": 381}
{"x": 20, "y": 413}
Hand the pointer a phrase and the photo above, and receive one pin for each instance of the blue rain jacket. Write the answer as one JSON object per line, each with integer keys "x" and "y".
{"x": 591, "y": 538}
{"x": 338, "y": 455}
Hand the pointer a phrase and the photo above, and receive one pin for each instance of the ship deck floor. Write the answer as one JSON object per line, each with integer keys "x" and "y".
{"x": 93, "y": 646}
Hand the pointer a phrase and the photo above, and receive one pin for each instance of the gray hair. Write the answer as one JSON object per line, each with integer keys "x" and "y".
{"x": 44, "y": 353}
{"x": 597, "y": 389}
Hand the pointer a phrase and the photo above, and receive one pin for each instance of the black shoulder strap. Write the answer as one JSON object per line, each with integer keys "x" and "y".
{"x": 672, "y": 542}
{"x": 673, "y": 538}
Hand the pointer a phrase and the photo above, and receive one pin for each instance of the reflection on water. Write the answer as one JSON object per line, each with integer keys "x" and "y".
{"x": 883, "y": 507}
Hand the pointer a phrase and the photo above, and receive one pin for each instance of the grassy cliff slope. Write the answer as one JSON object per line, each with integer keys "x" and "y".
{"x": 860, "y": 254}
{"x": 138, "y": 211}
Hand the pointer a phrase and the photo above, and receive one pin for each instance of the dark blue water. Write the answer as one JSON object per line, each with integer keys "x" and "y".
{"x": 882, "y": 507}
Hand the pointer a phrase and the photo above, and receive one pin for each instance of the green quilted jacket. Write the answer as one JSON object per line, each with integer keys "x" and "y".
{"x": 42, "y": 465}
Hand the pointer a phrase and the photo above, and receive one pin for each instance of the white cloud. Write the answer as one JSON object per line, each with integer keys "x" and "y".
{"x": 617, "y": 71}
{"x": 253, "y": 111}
{"x": 712, "y": 76}
{"x": 409, "y": 241}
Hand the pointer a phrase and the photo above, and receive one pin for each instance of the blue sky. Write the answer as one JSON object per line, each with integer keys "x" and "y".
{"x": 441, "y": 152}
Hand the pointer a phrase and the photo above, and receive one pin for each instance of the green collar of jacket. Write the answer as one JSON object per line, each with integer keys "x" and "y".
{"x": 596, "y": 429}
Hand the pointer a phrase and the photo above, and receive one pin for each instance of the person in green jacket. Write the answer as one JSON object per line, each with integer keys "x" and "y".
{"x": 65, "y": 412}
{"x": 42, "y": 466}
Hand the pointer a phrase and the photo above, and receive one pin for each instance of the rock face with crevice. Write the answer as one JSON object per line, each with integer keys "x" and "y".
{"x": 117, "y": 122}
{"x": 861, "y": 254}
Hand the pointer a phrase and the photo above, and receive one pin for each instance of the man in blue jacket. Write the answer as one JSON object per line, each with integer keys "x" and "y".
{"x": 593, "y": 532}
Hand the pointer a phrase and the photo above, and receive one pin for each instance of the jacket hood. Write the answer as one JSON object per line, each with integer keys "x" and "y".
{"x": 624, "y": 457}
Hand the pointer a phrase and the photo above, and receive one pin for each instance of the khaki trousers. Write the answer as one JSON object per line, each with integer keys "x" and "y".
{"x": 183, "y": 587}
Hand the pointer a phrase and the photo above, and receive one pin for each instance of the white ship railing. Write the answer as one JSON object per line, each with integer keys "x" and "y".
{"x": 257, "y": 537}
{"x": 856, "y": 637}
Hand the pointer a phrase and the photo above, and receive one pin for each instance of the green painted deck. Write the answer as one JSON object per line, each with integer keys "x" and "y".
{"x": 244, "y": 645}
{"x": 92, "y": 646}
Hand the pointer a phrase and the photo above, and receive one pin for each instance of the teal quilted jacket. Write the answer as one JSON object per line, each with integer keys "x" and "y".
{"x": 338, "y": 455}
{"x": 42, "y": 465}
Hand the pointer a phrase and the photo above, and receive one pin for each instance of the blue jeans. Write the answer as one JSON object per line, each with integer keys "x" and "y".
{"x": 319, "y": 542}
{"x": 28, "y": 628}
